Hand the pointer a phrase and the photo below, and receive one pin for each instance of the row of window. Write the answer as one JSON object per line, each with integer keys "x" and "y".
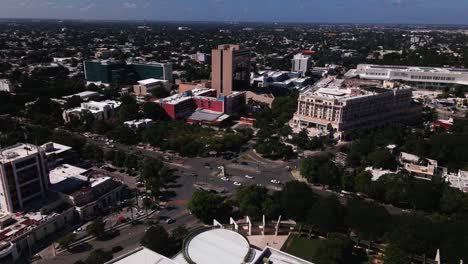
{"x": 438, "y": 78}
{"x": 377, "y": 73}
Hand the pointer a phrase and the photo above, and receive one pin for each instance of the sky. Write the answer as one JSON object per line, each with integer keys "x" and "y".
{"x": 321, "y": 11}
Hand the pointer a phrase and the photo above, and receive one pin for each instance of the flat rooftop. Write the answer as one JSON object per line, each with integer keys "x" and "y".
{"x": 67, "y": 178}
{"x": 151, "y": 81}
{"x": 329, "y": 88}
{"x": 208, "y": 116}
{"x": 83, "y": 94}
{"x": 55, "y": 148}
{"x": 141, "y": 256}
{"x": 415, "y": 69}
{"x": 17, "y": 151}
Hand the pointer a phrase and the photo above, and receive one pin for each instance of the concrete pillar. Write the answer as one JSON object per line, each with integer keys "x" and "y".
{"x": 216, "y": 223}
{"x": 250, "y": 225}
{"x": 264, "y": 225}
{"x": 232, "y": 222}
{"x": 277, "y": 225}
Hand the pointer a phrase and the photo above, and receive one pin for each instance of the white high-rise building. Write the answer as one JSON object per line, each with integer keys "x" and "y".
{"x": 301, "y": 63}
{"x": 23, "y": 176}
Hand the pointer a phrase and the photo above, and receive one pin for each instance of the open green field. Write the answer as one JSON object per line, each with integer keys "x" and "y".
{"x": 300, "y": 246}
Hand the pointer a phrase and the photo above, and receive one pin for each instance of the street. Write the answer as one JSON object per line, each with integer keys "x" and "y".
{"x": 247, "y": 168}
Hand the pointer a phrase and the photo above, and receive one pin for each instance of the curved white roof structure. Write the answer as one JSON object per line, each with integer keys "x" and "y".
{"x": 217, "y": 246}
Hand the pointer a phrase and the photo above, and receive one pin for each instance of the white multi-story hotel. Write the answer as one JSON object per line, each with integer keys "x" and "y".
{"x": 420, "y": 77}
{"x": 23, "y": 176}
{"x": 301, "y": 63}
{"x": 331, "y": 106}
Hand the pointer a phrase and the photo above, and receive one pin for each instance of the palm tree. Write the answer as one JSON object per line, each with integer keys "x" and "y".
{"x": 130, "y": 206}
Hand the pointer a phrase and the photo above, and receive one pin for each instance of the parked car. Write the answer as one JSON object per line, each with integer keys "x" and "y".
{"x": 249, "y": 177}
{"x": 237, "y": 184}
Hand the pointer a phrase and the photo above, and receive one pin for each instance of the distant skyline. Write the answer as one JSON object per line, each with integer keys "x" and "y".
{"x": 322, "y": 11}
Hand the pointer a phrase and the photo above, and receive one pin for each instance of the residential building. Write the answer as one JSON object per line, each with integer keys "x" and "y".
{"x": 421, "y": 77}
{"x": 420, "y": 167}
{"x": 230, "y": 69}
{"x": 266, "y": 98}
{"x": 6, "y": 86}
{"x": 108, "y": 72}
{"x": 57, "y": 154}
{"x": 146, "y": 87}
{"x": 201, "y": 57}
{"x": 23, "y": 176}
{"x": 201, "y": 106}
{"x": 100, "y": 110}
{"x": 91, "y": 192}
{"x": 104, "y": 53}
{"x": 139, "y": 123}
{"x": 458, "y": 180}
{"x": 85, "y": 96}
{"x": 330, "y": 106}
{"x": 188, "y": 86}
{"x": 20, "y": 231}
{"x": 301, "y": 63}
{"x": 280, "y": 79}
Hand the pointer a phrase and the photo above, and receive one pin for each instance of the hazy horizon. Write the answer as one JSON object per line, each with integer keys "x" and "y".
{"x": 450, "y": 12}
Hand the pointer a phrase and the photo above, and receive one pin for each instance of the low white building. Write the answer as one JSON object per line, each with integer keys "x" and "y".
{"x": 145, "y": 87}
{"x": 89, "y": 191}
{"x": 139, "y": 123}
{"x": 421, "y": 77}
{"x": 100, "y": 110}
{"x": 458, "y": 180}
{"x": 85, "y": 96}
{"x": 420, "y": 167}
{"x": 6, "y": 86}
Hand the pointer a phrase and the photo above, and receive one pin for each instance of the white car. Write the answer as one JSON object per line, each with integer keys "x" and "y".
{"x": 225, "y": 179}
{"x": 249, "y": 177}
{"x": 237, "y": 184}
{"x": 275, "y": 181}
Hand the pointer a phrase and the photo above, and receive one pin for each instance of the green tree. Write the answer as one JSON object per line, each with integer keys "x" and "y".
{"x": 66, "y": 240}
{"x": 368, "y": 220}
{"x": 326, "y": 214}
{"x": 382, "y": 159}
{"x": 207, "y": 206}
{"x": 98, "y": 257}
{"x": 295, "y": 199}
{"x": 96, "y": 228}
{"x": 395, "y": 255}
{"x": 320, "y": 169}
{"x": 128, "y": 109}
{"x": 251, "y": 199}
{"x": 154, "y": 111}
{"x": 123, "y": 134}
{"x": 363, "y": 182}
{"x": 157, "y": 239}
{"x": 337, "y": 249}
{"x": 154, "y": 175}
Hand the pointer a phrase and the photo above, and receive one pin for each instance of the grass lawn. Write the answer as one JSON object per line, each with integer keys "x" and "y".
{"x": 300, "y": 247}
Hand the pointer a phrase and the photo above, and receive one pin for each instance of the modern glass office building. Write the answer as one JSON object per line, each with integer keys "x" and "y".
{"x": 119, "y": 72}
